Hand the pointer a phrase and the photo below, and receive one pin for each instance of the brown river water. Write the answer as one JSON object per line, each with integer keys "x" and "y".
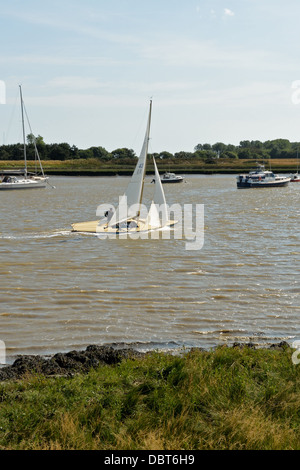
{"x": 62, "y": 290}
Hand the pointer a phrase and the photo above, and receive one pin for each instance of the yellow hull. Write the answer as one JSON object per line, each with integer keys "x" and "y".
{"x": 94, "y": 227}
{"x": 86, "y": 226}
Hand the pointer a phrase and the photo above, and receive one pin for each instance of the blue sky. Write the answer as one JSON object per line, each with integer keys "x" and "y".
{"x": 218, "y": 71}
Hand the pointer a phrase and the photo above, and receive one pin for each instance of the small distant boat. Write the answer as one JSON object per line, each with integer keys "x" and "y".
{"x": 171, "y": 178}
{"x": 295, "y": 178}
{"x": 22, "y": 179}
{"x": 127, "y": 217}
{"x": 261, "y": 178}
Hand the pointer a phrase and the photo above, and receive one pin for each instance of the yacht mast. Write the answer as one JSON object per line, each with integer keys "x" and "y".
{"x": 146, "y": 153}
{"x": 23, "y": 126}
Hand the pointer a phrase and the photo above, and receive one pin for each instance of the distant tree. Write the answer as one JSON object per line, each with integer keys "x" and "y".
{"x": 165, "y": 155}
{"x": 202, "y": 147}
{"x": 184, "y": 155}
{"x": 256, "y": 144}
{"x": 4, "y": 153}
{"x": 245, "y": 144}
{"x": 198, "y": 147}
{"x": 60, "y": 151}
{"x": 245, "y": 153}
{"x": 39, "y": 140}
{"x": 231, "y": 148}
{"x": 229, "y": 154}
{"x": 87, "y": 153}
{"x": 200, "y": 154}
{"x": 100, "y": 152}
{"x": 218, "y": 147}
{"x": 210, "y": 156}
{"x": 74, "y": 152}
{"x": 206, "y": 147}
{"x": 123, "y": 153}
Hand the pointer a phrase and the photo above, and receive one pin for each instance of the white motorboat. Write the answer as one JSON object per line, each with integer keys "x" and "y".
{"x": 261, "y": 178}
{"x": 171, "y": 178}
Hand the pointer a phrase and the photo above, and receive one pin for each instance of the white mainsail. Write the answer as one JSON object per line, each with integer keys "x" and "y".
{"x": 130, "y": 202}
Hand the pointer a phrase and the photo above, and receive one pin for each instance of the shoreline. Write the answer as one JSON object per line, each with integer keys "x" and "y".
{"x": 92, "y": 168}
{"x": 185, "y": 172}
{"x": 82, "y": 361}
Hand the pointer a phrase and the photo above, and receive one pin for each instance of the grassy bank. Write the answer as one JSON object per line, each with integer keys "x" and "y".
{"x": 96, "y": 167}
{"x": 230, "y": 398}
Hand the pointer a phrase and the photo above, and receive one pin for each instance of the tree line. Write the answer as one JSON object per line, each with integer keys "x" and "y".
{"x": 209, "y": 153}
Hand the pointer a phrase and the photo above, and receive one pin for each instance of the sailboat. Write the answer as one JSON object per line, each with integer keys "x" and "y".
{"x": 127, "y": 217}
{"x": 22, "y": 179}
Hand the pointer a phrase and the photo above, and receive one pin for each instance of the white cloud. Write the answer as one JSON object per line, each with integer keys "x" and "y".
{"x": 228, "y": 12}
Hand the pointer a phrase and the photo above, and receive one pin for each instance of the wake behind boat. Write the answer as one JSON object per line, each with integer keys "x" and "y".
{"x": 127, "y": 217}
{"x": 261, "y": 178}
{"x": 22, "y": 179}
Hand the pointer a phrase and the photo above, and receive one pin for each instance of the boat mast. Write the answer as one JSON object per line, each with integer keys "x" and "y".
{"x": 146, "y": 151}
{"x": 23, "y": 126}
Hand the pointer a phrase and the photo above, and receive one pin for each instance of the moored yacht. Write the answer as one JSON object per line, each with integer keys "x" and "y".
{"x": 22, "y": 179}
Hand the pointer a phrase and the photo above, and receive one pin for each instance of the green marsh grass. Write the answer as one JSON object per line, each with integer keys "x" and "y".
{"x": 229, "y": 398}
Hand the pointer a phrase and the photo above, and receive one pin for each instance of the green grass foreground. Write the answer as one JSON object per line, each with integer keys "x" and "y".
{"x": 230, "y": 398}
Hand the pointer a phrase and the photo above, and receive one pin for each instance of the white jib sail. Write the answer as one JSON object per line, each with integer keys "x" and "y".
{"x": 158, "y": 212}
{"x": 132, "y": 198}
{"x": 153, "y": 220}
{"x": 159, "y": 197}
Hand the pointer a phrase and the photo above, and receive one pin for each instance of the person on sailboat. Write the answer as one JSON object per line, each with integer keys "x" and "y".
{"x": 109, "y": 214}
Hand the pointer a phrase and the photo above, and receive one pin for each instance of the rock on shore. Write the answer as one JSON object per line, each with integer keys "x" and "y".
{"x": 66, "y": 363}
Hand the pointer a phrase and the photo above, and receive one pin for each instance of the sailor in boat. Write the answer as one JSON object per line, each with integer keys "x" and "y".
{"x": 109, "y": 214}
